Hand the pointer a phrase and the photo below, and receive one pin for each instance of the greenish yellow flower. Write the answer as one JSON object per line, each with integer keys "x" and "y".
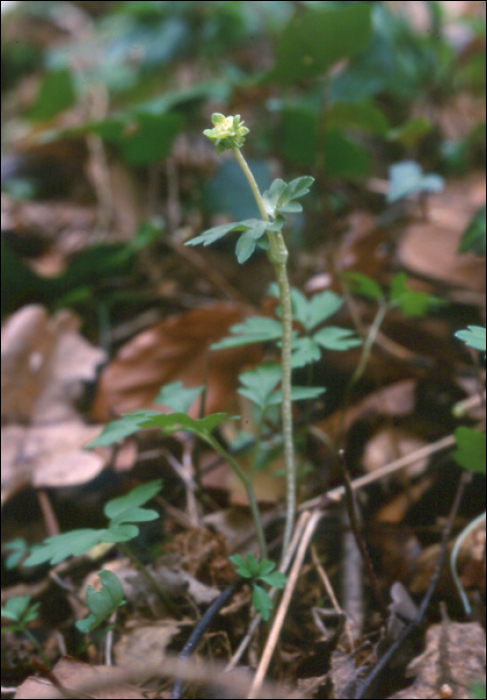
{"x": 228, "y": 132}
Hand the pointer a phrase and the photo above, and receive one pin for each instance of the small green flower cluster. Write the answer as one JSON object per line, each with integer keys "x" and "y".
{"x": 228, "y": 132}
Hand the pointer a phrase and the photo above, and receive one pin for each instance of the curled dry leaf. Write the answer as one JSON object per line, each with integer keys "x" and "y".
{"x": 176, "y": 349}
{"x": 429, "y": 248}
{"x": 44, "y": 364}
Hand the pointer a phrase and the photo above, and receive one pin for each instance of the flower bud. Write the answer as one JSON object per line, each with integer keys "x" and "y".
{"x": 228, "y": 132}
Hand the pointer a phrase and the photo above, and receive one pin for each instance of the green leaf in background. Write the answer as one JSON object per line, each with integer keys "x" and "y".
{"x": 364, "y": 115}
{"x": 471, "y": 449}
{"x": 55, "y": 95}
{"x": 142, "y": 137}
{"x": 118, "y": 507}
{"x": 261, "y": 601}
{"x": 19, "y": 549}
{"x": 247, "y": 568}
{"x": 258, "y": 384}
{"x": 314, "y": 40}
{"x": 255, "y": 227}
{"x": 298, "y": 135}
{"x": 320, "y": 307}
{"x": 58, "y": 548}
{"x": 412, "y": 303}
{"x": 175, "y": 422}
{"x": 178, "y": 397}
{"x": 118, "y": 510}
{"x": 121, "y": 428}
{"x": 475, "y": 336}
{"x": 228, "y": 192}
{"x": 474, "y": 237}
{"x": 19, "y": 609}
{"x": 274, "y": 578}
{"x": 279, "y": 197}
{"x": 168, "y": 422}
{"x": 255, "y": 329}
{"x": 362, "y": 285}
{"x": 333, "y": 338}
{"x": 298, "y": 393}
{"x": 477, "y": 691}
{"x": 245, "y": 246}
{"x": 150, "y": 138}
{"x": 407, "y": 177}
{"x": 411, "y": 132}
{"x": 344, "y": 157}
{"x": 304, "y": 351}
{"x": 103, "y": 602}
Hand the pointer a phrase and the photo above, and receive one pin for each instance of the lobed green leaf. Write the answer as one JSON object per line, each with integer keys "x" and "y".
{"x": 333, "y": 338}
{"x": 256, "y": 329}
{"x": 178, "y": 397}
{"x": 103, "y": 602}
{"x": 475, "y": 336}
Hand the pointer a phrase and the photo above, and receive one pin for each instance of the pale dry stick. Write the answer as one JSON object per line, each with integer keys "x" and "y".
{"x": 298, "y": 532}
{"x": 337, "y": 493}
{"x": 184, "y": 471}
{"x": 331, "y": 593}
{"x": 284, "y": 605}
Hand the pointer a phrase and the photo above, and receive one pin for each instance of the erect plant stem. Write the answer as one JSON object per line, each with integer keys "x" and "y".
{"x": 278, "y": 255}
{"x": 247, "y": 482}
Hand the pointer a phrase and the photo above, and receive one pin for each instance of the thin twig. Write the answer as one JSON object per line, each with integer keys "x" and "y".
{"x": 284, "y": 605}
{"x": 359, "y": 538}
{"x": 365, "y": 685}
{"x": 331, "y": 593}
{"x": 337, "y": 493}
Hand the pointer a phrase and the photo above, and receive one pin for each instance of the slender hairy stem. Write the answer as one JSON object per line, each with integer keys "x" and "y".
{"x": 249, "y": 489}
{"x": 278, "y": 255}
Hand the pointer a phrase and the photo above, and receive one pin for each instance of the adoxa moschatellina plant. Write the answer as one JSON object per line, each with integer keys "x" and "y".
{"x": 228, "y": 134}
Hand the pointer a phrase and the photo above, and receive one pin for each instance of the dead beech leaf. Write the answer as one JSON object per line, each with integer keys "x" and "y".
{"x": 429, "y": 248}
{"x": 44, "y": 362}
{"x": 460, "y": 648}
{"x": 390, "y": 444}
{"x": 73, "y": 674}
{"x": 145, "y": 643}
{"x": 176, "y": 349}
{"x": 48, "y": 456}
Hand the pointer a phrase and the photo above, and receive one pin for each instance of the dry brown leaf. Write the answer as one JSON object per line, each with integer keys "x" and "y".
{"x": 145, "y": 642}
{"x": 176, "y": 349}
{"x": 48, "y": 456}
{"x": 454, "y": 648}
{"x": 391, "y": 443}
{"x": 72, "y": 674}
{"x": 44, "y": 364}
{"x": 429, "y": 248}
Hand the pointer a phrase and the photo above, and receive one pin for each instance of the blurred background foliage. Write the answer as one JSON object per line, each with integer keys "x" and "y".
{"x": 337, "y": 90}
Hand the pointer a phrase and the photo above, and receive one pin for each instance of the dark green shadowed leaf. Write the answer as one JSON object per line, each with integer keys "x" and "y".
{"x": 471, "y": 449}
